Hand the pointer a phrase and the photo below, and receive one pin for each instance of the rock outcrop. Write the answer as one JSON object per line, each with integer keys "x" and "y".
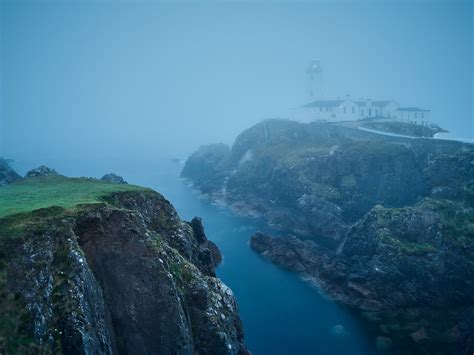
{"x": 315, "y": 180}
{"x": 125, "y": 276}
{"x": 7, "y": 174}
{"x": 41, "y": 171}
{"x": 385, "y": 225}
{"x": 111, "y": 177}
{"x": 407, "y": 269}
{"x": 207, "y": 167}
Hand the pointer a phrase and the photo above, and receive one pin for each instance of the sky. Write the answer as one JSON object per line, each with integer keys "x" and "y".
{"x": 108, "y": 79}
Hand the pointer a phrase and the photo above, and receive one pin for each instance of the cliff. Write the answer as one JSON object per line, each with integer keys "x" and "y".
{"x": 316, "y": 180}
{"x": 383, "y": 224}
{"x": 92, "y": 267}
{"x": 7, "y": 174}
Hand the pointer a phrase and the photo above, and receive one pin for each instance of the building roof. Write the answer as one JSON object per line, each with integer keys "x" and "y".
{"x": 324, "y": 103}
{"x": 381, "y": 103}
{"x": 376, "y": 103}
{"x": 411, "y": 109}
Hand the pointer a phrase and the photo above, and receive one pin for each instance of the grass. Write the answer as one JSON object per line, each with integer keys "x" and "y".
{"x": 42, "y": 192}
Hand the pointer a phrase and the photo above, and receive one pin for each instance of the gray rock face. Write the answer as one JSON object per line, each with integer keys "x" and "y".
{"x": 128, "y": 277}
{"x": 41, "y": 171}
{"x": 409, "y": 267}
{"x": 388, "y": 225}
{"x": 207, "y": 167}
{"x": 7, "y": 174}
{"x": 315, "y": 180}
{"x": 113, "y": 178}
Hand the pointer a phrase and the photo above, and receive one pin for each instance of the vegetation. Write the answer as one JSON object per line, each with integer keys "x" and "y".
{"x": 46, "y": 191}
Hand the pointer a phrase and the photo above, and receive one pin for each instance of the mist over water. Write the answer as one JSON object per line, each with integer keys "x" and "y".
{"x": 106, "y": 79}
{"x": 281, "y": 313}
{"x": 133, "y": 88}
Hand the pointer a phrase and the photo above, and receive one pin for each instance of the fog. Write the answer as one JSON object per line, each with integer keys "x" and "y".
{"x": 147, "y": 79}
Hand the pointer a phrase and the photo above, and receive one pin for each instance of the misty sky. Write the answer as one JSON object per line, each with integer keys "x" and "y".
{"x": 107, "y": 79}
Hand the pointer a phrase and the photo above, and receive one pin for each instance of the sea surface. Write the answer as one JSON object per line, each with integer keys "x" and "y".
{"x": 281, "y": 313}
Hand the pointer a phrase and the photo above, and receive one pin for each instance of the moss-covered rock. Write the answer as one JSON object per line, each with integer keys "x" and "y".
{"x": 112, "y": 271}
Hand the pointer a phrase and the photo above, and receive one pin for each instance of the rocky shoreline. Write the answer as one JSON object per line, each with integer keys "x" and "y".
{"x": 384, "y": 227}
{"x": 122, "y": 275}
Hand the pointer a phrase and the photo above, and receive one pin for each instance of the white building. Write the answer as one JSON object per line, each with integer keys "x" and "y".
{"x": 413, "y": 115}
{"x": 349, "y": 110}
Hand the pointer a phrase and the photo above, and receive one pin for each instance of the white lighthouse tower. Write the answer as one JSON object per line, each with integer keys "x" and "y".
{"x": 314, "y": 74}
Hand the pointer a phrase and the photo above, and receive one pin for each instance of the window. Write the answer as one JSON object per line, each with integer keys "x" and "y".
{"x": 422, "y": 115}
{"x": 362, "y": 112}
{"x": 344, "y": 109}
{"x": 376, "y": 112}
{"x": 416, "y": 115}
{"x": 327, "y": 109}
{"x": 370, "y": 112}
{"x": 353, "y": 109}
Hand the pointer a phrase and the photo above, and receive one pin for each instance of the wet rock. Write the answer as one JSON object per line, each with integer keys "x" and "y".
{"x": 207, "y": 167}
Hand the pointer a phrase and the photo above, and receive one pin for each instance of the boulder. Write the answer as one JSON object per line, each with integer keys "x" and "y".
{"x": 41, "y": 171}
{"x": 113, "y": 178}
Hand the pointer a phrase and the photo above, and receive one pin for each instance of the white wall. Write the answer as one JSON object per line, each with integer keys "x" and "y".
{"x": 418, "y": 117}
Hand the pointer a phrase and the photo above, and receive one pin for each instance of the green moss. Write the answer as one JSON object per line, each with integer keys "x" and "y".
{"x": 456, "y": 223}
{"x": 374, "y": 149}
{"x": 46, "y": 191}
{"x": 37, "y": 221}
{"x": 292, "y": 154}
{"x": 409, "y": 248}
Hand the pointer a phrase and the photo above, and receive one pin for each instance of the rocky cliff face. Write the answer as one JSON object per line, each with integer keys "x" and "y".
{"x": 387, "y": 226}
{"x": 208, "y": 167}
{"x": 7, "y": 174}
{"x": 316, "y": 180}
{"x": 125, "y": 276}
{"x": 407, "y": 269}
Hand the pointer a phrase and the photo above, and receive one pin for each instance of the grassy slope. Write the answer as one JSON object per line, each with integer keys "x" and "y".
{"x": 47, "y": 191}
{"x": 32, "y": 205}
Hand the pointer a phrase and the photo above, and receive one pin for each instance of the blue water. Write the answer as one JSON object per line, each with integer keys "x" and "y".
{"x": 282, "y": 314}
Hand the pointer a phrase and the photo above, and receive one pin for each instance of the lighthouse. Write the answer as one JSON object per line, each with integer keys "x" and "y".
{"x": 314, "y": 75}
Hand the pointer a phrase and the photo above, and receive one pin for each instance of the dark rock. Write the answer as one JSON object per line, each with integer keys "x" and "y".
{"x": 123, "y": 277}
{"x": 113, "y": 178}
{"x": 383, "y": 344}
{"x": 198, "y": 229}
{"x": 41, "y": 171}
{"x": 7, "y": 174}
{"x": 387, "y": 221}
{"x": 406, "y": 266}
{"x": 207, "y": 167}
